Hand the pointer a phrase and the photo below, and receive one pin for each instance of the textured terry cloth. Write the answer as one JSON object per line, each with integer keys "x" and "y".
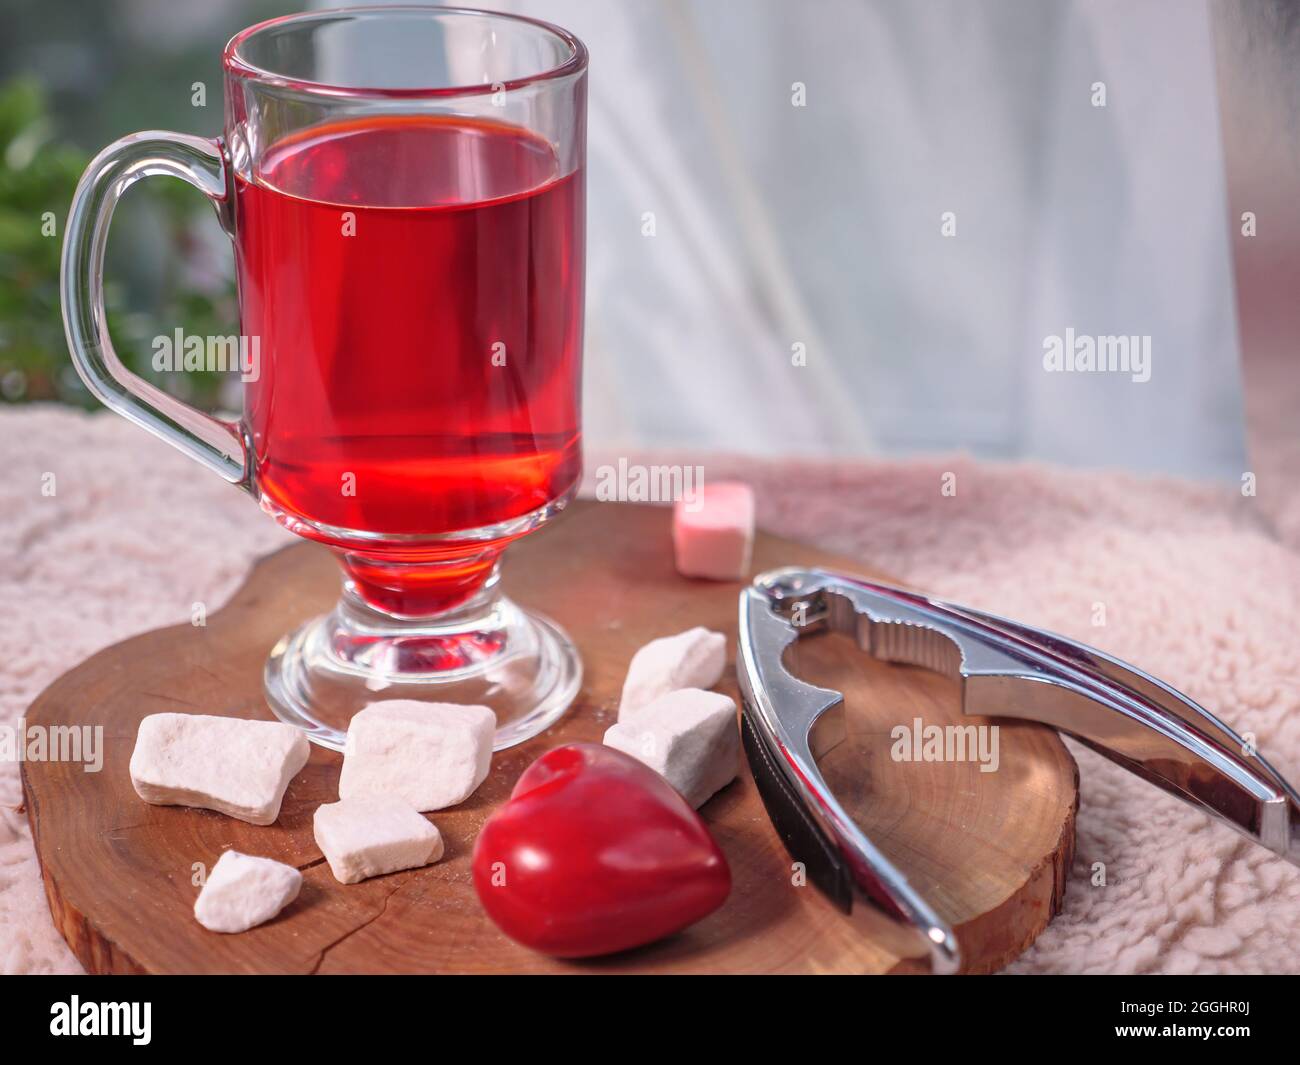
{"x": 1193, "y": 586}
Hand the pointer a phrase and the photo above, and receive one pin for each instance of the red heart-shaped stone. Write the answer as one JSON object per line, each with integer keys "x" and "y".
{"x": 594, "y": 853}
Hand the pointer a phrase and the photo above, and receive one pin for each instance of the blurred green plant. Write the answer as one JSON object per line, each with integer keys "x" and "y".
{"x": 38, "y": 175}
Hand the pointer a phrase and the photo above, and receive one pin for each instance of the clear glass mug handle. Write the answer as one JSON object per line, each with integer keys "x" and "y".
{"x": 217, "y": 444}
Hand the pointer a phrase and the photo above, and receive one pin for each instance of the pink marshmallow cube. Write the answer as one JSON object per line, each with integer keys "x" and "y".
{"x": 713, "y": 534}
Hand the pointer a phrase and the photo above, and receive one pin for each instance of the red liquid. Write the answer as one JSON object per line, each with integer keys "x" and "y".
{"x": 380, "y": 407}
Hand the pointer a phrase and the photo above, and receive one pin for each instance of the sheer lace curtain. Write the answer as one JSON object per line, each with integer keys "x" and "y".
{"x": 776, "y": 226}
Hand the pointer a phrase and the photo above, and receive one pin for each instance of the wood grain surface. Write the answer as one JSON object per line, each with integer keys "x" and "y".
{"x": 990, "y": 850}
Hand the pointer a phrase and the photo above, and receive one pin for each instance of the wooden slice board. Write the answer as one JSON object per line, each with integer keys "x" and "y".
{"x": 990, "y": 850}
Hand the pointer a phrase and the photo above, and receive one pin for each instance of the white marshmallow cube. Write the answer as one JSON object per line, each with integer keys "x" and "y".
{"x": 433, "y": 755}
{"x": 691, "y": 659}
{"x": 713, "y": 536}
{"x": 689, "y": 737}
{"x": 242, "y": 891}
{"x": 229, "y": 764}
{"x": 361, "y": 838}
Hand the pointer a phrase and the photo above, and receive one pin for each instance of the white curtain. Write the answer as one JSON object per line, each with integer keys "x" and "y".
{"x": 777, "y": 225}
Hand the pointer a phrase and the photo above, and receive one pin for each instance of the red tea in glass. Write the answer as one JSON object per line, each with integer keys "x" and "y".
{"x": 421, "y": 374}
{"x": 404, "y": 187}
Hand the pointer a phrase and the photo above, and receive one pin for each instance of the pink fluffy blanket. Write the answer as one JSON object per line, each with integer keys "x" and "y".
{"x": 1193, "y": 586}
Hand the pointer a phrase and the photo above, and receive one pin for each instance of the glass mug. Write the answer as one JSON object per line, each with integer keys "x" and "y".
{"x": 405, "y": 191}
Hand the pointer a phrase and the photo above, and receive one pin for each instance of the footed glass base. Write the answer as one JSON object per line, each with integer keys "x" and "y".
{"x": 487, "y": 651}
